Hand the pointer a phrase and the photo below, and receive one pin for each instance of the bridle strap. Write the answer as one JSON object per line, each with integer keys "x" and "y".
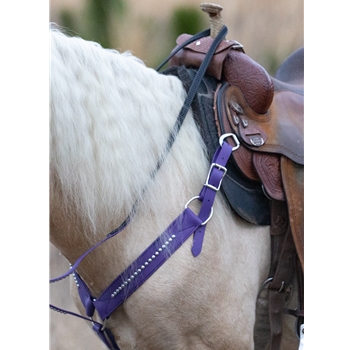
{"x": 79, "y": 260}
{"x": 195, "y": 83}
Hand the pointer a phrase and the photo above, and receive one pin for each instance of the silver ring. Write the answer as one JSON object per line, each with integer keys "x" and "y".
{"x": 224, "y": 136}
{"x": 211, "y": 212}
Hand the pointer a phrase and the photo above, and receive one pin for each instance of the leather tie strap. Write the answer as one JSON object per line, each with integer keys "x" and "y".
{"x": 283, "y": 260}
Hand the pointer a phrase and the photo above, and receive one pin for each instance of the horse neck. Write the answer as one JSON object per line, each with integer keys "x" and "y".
{"x": 110, "y": 121}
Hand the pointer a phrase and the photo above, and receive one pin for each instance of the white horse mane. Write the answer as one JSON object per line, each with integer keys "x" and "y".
{"x": 110, "y": 120}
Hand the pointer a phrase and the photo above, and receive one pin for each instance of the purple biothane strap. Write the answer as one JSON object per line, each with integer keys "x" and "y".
{"x": 207, "y": 195}
{"x": 163, "y": 247}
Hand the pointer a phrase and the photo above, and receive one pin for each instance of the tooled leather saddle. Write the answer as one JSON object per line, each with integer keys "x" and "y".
{"x": 265, "y": 178}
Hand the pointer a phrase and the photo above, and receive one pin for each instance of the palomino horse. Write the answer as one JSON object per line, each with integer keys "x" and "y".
{"x": 110, "y": 121}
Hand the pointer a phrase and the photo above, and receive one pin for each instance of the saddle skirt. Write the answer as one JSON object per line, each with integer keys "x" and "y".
{"x": 238, "y": 96}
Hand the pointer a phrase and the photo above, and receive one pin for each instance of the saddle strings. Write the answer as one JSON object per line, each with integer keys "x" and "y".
{"x": 184, "y": 44}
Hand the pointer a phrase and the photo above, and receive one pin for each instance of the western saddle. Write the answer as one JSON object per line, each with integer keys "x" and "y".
{"x": 267, "y": 114}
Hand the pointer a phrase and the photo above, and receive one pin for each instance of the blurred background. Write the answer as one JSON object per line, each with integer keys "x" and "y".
{"x": 270, "y": 30}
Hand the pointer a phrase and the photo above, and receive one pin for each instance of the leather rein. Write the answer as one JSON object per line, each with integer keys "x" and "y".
{"x": 186, "y": 224}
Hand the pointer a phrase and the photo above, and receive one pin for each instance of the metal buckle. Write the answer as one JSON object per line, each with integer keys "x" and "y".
{"x": 220, "y": 167}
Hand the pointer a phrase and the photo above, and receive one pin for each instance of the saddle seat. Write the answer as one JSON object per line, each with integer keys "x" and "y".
{"x": 267, "y": 114}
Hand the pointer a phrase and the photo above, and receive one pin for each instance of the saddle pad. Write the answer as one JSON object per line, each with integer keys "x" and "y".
{"x": 245, "y": 196}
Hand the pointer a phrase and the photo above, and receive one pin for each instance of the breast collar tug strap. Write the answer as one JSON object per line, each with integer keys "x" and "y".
{"x": 163, "y": 247}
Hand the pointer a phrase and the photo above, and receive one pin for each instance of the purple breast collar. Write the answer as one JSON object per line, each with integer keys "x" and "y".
{"x": 172, "y": 238}
{"x": 157, "y": 253}
{"x": 163, "y": 247}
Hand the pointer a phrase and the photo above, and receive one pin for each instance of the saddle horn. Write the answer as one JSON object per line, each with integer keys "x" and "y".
{"x": 214, "y": 12}
{"x": 240, "y": 70}
{"x": 229, "y": 63}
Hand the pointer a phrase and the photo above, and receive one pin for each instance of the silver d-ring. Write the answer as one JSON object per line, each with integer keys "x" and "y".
{"x": 280, "y": 290}
{"x": 224, "y": 136}
{"x": 211, "y": 214}
{"x": 191, "y": 200}
{"x": 264, "y": 284}
{"x": 211, "y": 211}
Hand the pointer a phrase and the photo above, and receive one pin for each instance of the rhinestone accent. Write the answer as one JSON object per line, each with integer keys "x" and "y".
{"x": 75, "y": 280}
{"x": 139, "y": 270}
